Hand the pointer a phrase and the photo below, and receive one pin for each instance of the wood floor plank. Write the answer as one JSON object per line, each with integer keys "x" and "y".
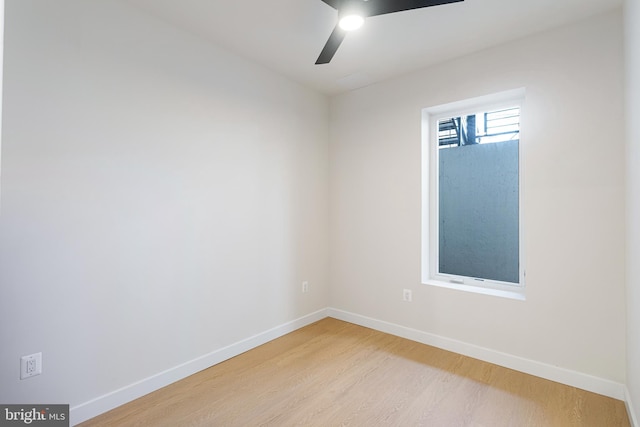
{"x": 333, "y": 373}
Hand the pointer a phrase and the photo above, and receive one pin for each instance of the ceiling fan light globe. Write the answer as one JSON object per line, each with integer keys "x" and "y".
{"x": 351, "y": 22}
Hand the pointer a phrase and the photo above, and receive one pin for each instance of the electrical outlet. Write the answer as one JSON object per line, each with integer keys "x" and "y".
{"x": 406, "y": 295}
{"x": 305, "y": 286}
{"x": 30, "y": 365}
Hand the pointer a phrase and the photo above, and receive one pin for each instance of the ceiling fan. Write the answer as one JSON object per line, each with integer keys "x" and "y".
{"x": 351, "y": 14}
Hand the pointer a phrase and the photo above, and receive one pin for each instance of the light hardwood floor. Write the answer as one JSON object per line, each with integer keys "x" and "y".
{"x": 333, "y": 373}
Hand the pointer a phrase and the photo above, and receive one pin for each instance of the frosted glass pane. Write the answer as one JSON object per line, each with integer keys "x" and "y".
{"x": 479, "y": 211}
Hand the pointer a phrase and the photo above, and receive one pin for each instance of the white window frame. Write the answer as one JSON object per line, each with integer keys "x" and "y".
{"x": 430, "y": 173}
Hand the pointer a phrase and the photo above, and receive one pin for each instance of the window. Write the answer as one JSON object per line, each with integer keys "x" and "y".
{"x": 472, "y": 228}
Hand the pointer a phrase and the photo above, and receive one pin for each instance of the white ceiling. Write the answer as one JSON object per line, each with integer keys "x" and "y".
{"x": 288, "y": 35}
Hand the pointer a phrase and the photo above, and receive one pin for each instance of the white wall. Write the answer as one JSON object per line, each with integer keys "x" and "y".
{"x": 632, "y": 43}
{"x": 573, "y": 147}
{"x": 161, "y": 199}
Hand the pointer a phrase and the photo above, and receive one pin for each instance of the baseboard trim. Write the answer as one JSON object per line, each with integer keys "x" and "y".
{"x": 630, "y": 409}
{"x": 532, "y": 367}
{"x": 133, "y": 391}
{"x": 102, "y": 404}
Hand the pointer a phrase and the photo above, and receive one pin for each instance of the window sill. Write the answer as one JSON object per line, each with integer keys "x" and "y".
{"x": 516, "y": 294}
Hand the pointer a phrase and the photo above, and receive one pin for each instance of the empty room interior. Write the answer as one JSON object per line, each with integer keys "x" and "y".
{"x": 183, "y": 189}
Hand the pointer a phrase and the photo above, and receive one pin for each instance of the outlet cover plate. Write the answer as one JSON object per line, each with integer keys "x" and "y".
{"x": 30, "y": 365}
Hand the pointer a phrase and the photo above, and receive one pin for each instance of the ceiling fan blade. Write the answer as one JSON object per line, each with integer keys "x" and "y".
{"x": 381, "y": 7}
{"x": 330, "y": 48}
{"x": 333, "y": 3}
